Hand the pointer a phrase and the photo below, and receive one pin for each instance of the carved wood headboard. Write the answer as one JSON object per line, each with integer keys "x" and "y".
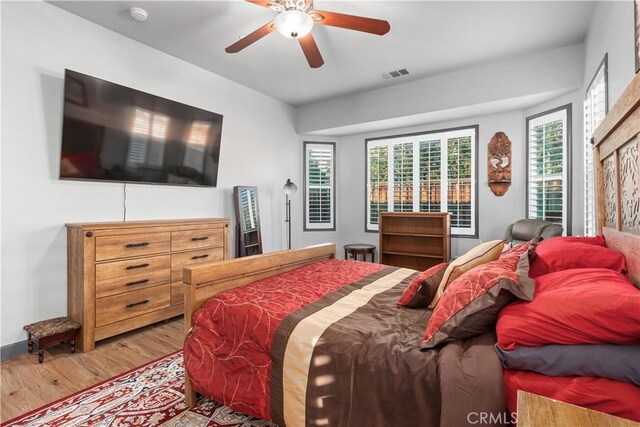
{"x": 617, "y": 161}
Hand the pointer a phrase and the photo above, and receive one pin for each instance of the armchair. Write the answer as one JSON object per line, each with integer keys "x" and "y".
{"x": 526, "y": 229}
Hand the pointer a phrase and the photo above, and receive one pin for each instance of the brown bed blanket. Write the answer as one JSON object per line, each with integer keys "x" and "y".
{"x": 353, "y": 359}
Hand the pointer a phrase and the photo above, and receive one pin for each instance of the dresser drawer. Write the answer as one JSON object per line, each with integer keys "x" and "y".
{"x": 124, "y": 306}
{"x": 178, "y": 261}
{"x": 131, "y": 267}
{"x": 194, "y": 239}
{"x": 132, "y": 245}
{"x": 118, "y": 285}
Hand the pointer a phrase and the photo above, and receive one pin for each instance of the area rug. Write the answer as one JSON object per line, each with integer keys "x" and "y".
{"x": 151, "y": 395}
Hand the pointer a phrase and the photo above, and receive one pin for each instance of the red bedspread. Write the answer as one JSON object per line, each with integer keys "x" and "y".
{"x": 241, "y": 324}
{"x": 600, "y": 394}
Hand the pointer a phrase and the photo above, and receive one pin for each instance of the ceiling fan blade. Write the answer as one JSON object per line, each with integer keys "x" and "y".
{"x": 351, "y": 22}
{"x": 311, "y": 51}
{"x": 251, "y": 38}
{"x": 263, "y": 3}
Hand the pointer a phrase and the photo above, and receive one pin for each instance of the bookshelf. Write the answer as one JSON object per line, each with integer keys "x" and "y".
{"x": 414, "y": 240}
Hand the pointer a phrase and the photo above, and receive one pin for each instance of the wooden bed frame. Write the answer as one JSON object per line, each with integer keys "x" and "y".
{"x": 616, "y": 155}
{"x": 206, "y": 280}
{"x": 617, "y": 161}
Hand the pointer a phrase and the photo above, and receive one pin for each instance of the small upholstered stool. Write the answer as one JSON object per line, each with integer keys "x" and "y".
{"x": 52, "y": 331}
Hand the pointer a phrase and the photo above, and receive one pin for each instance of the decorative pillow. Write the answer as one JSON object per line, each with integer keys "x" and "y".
{"x": 481, "y": 254}
{"x": 616, "y": 362}
{"x": 516, "y": 250}
{"x": 579, "y": 306}
{"x": 423, "y": 287}
{"x": 471, "y": 304}
{"x": 595, "y": 240}
{"x": 561, "y": 254}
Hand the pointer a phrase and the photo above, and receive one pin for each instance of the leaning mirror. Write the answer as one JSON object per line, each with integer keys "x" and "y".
{"x": 248, "y": 238}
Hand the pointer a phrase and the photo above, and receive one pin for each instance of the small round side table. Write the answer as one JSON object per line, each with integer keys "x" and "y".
{"x": 354, "y": 249}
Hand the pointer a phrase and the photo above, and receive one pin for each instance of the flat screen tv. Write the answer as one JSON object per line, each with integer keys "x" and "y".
{"x": 114, "y": 133}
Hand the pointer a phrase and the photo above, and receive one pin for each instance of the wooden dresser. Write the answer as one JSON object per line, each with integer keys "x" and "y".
{"x": 124, "y": 275}
{"x": 414, "y": 240}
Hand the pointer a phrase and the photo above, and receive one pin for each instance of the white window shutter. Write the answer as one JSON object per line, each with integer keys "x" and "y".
{"x": 547, "y": 167}
{"x": 319, "y": 186}
{"x": 595, "y": 109}
{"x": 412, "y": 173}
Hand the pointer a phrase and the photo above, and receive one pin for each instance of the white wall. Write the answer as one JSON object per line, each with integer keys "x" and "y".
{"x": 611, "y": 31}
{"x": 259, "y": 147}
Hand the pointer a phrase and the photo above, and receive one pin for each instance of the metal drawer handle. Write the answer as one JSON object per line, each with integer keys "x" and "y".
{"x": 200, "y": 256}
{"x": 133, "y": 304}
{"x": 137, "y": 245}
{"x": 131, "y": 267}
{"x": 195, "y": 239}
{"x": 138, "y": 282}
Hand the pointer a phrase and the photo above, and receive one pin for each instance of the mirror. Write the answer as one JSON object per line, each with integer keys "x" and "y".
{"x": 248, "y": 238}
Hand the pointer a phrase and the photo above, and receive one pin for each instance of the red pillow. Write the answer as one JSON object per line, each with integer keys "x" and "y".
{"x": 580, "y": 306}
{"x": 471, "y": 303}
{"x": 423, "y": 287}
{"x": 595, "y": 240}
{"x": 516, "y": 250}
{"x": 561, "y": 254}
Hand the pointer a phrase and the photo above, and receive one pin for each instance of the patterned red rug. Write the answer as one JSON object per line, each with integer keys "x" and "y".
{"x": 151, "y": 395}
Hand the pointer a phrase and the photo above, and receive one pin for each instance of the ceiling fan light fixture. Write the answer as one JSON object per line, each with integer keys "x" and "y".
{"x": 294, "y": 24}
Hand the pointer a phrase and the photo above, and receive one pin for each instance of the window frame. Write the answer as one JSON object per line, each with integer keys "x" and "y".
{"x": 604, "y": 66}
{"x": 566, "y": 173}
{"x": 411, "y": 137}
{"x": 305, "y": 219}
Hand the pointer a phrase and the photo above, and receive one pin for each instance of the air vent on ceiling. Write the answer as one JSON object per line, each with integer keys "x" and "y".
{"x": 395, "y": 74}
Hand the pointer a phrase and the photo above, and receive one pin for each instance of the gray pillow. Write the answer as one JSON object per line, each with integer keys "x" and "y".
{"x": 616, "y": 362}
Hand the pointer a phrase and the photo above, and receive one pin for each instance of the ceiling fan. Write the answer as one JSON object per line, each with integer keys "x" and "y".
{"x": 295, "y": 20}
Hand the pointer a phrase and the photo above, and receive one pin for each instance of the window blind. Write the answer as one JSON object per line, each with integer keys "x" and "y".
{"x": 378, "y": 170}
{"x": 319, "y": 186}
{"x": 547, "y": 168}
{"x": 417, "y": 170}
{"x": 430, "y": 176}
{"x": 403, "y": 177}
{"x": 595, "y": 109}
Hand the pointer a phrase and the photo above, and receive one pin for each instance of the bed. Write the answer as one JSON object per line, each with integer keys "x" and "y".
{"x": 319, "y": 341}
{"x": 334, "y": 350}
{"x": 616, "y": 145}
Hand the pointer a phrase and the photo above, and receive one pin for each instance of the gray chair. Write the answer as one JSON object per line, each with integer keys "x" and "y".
{"x": 527, "y": 229}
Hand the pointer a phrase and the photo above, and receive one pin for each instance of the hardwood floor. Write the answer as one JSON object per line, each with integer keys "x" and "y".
{"x": 26, "y": 384}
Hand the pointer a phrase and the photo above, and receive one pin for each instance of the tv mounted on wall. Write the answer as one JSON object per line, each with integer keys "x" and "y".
{"x": 114, "y": 133}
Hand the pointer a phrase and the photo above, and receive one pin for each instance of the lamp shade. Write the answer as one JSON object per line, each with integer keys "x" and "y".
{"x": 293, "y": 23}
{"x": 289, "y": 188}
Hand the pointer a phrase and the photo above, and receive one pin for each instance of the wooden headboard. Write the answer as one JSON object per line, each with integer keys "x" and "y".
{"x": 617, "y": 161}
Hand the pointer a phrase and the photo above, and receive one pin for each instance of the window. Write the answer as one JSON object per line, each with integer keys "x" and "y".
{"x": 548, "y": 136}
{"x": 410, "y": 173}
{"x": 595, "y": 108}
{"x": 319, "y": 186}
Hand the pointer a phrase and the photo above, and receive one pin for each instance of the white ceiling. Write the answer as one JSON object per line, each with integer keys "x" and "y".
{"x": 426, "y": 37}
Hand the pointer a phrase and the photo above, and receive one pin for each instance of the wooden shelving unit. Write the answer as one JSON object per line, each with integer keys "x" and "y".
{"x": 414, "y": 240}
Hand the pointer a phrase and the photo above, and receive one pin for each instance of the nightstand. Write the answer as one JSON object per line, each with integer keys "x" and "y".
{"x": 538, "y": 411}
